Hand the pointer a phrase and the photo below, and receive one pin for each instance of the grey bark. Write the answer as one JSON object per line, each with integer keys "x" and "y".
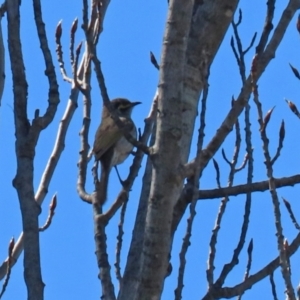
{"x": 209, "y": 24}
{"x": 23, "y": 181}
{"x": 2, "y": 61}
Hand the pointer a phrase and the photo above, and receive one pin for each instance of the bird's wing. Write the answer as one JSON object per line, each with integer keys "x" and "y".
{"x": 106, "y": 136}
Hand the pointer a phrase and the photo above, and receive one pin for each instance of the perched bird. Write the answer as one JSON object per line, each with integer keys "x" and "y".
{"x": 111, "y": 147}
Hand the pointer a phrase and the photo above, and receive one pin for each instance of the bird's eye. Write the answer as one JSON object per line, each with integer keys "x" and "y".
{"x": 123, "y": 108}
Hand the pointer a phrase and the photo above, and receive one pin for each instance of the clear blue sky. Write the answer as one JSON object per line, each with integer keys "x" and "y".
{"x": 131, "y": 31}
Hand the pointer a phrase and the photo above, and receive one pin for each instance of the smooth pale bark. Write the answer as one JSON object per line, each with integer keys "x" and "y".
{"x": 209, "y": 24}
{"x": 166, "y": 181}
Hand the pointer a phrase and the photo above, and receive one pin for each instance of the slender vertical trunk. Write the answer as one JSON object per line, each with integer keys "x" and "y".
{"x": 25, "y": 145}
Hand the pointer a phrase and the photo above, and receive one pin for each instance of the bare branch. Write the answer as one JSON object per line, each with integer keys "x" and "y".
{"x": 232, "y": 44}
{"x": 213, "y": 241}
{"x": 195, "y": 185}
{"x": 292, "y": 216}
{"x": 247, "y": 188}
{"x": 51, "y": 165}
{"x": 293, "y": 107}
{"x": 203, "y": 113}
{"x": 273, "y": 286}
{"x": 267, "y": 27}
{"x": 154, "y": 61}
{"x": 83, "y": 159}
{"x": 242, "y": 100}
{"x": 225, "y": 157}
{"x": 119, "y": 244}
{"x": 284, "y": 262}
{"x": 239, "y": 53}
{"x": 2, "y": 52}
{"x": 249, "y": 263}
{"x": 280, "y": 143}
{"x": 132, "y": 259}
{"x": 26, "y": 138}
{"x": 59, "y": 52}
{"x": 230, "y": 292}
{"x": 9, "y": 266}
{"x": 101, "y": 254}
{"x": 52, "y": 207}
{"x": 72, "y": 39}
{"x": 251, "y": 44}
{"x": 75, "y": 68}
{"x": 53, "y": 92}
{"x": 244, "y": 163}
{"x": 91, "y": 30}
{"x": 217, "y": 172}
{"x": 267, "y": 119}
{"x": 295, "y": 71}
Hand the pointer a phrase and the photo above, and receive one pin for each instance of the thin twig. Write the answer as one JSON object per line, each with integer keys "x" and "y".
{"x": 84, "y": 133}
{"x": 247, "y": 188}
{"x": 238, "y": 52}
{"x": 242, "y": 100}
{"x": 230, "y": 292}
{"x": 273, "y": 286}
{"x": 52, "y": 207}
{"x": 293, "y": 108}
{"x": 280, "y": 143}
{"x": 72, "y": 39}
{"x": 154, "y": 61}
{"x": 243, "y": 165}
{"x": 40, "y": 123}
{"x": 119, "y": 243}
{"x": 216, "y": 165}
{"x": 225, "y": 157}
{"x": 264, "y": 123}
{"x": 80, "y": 85}
{"x": 235, "y": 257}
{"x": 9, "y": 266}
{"x": 251, "y": 44}
{"x": 292, "y": 216}
{"x": 285, "y": 266}
{"x": 59, "y": 52}
{"x": 249, "y": 263}
{"x": 267, "y": 27}
{"x": 2, "y": 52}
{"x": 295, "y": 71}
{"x": 195, "y": 186}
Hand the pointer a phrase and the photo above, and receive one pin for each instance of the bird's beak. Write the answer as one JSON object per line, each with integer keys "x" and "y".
{"x": 135, "y": 103}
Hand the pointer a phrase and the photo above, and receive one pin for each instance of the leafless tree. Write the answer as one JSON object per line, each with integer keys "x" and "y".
{"x": 193, "y": 34}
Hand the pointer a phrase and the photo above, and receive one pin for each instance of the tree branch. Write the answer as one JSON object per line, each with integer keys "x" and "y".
{"x": 260, "y": 186}
{"x": 230, "y": 292}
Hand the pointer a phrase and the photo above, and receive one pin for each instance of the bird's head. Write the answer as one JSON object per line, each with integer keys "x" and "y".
{"x": 123, "y": 106}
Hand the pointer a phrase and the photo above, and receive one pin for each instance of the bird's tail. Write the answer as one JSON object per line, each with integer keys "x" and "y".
{"x": 103, "y": 184}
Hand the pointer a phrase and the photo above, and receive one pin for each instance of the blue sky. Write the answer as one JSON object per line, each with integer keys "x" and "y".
{"x": 131, "y": 31}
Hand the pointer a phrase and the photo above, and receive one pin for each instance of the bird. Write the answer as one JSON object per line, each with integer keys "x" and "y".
{"x": 110, "y": 147}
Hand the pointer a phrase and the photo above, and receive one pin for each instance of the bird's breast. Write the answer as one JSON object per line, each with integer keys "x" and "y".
{"x": 122, "y": 149}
